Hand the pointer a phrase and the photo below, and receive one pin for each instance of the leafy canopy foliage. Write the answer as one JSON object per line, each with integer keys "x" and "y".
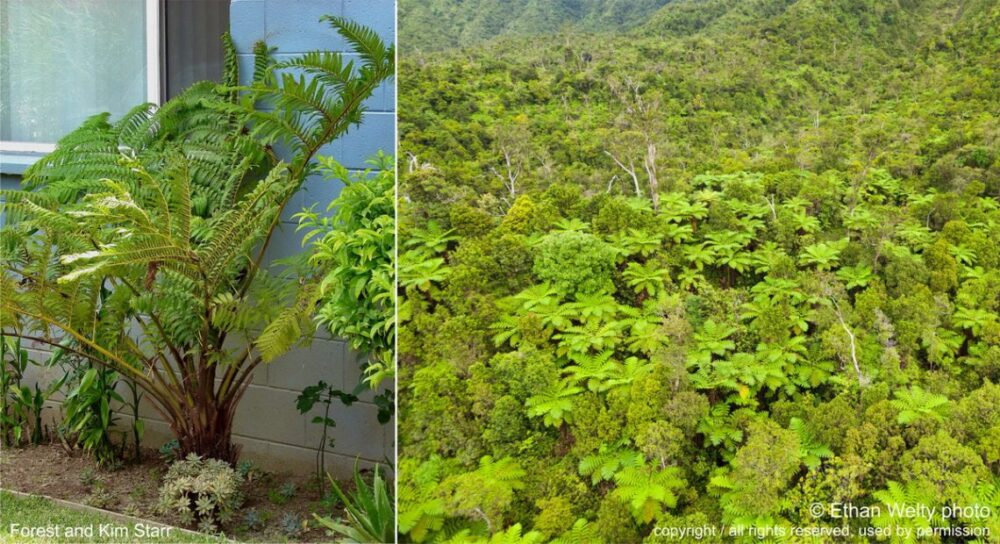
{"x": 737, "y": 261}
{"x": 356, "y": 246}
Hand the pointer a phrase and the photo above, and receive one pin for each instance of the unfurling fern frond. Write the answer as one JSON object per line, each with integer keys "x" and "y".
{"x": 262, "y": 62}
{"x": 230, "y": 66}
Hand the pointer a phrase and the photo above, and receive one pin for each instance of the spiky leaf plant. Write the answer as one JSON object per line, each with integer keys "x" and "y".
{"x": 369, "y": 511}
{"x": 140, "y": 244}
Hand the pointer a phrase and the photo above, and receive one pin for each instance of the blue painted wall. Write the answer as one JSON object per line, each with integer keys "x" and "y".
{"x": 293, "y": 27}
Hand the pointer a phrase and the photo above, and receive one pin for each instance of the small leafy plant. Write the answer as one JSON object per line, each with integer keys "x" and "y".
{"x": 253, "y": 520}
{"x": 248, "y": 470}
{"x": 87, "y": 413}
{"x": 205, "y": 492}
{"x": 87, "y": 477}
{"x": 20, "y": 406}
{"x": 323, "y": 394}
{"x": 283, "y": 494}
{"x": 354, "y": 245}
{"x": 100, "y": 498}
{"x": 291, "y": 525}
{"x": 169, "y": 451}
{"x": 288, "y": 490}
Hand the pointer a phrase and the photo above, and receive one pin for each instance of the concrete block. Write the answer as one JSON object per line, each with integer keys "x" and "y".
{"x": 235, "y": 345}
{"x": 285, "y": 242}
{"x": 354, "y": 373}
{"x": 269, "y": 414}
{"x": 377, "y": 132}
{"x": 375, "y": 14}
{"x": 323, "y": 360}
{"x": 247, "y": 23}
{"x": 284, "y": 457}
{"x": 320, "y": 191}
{"x": 294, "y": 25}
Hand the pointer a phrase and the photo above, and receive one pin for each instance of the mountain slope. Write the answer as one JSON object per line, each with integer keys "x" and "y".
{"x": 441, "y": 24}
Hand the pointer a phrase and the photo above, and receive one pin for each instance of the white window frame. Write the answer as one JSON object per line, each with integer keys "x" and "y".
{"x": 154, "y": 65}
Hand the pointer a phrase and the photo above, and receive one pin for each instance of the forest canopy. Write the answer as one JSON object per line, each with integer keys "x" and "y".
{"x": 738, "y": 260}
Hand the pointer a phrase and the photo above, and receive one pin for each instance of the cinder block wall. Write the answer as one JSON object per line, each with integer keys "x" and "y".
{"x": 268, "y": 425}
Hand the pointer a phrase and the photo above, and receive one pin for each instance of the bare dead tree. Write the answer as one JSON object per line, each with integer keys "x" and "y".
{"x": 630, "y": 170}
{"x": 832, "y": 291}
{"x": 640, "y": 116}
{"x": 611, "y": 182}
{"x": 513, "y": 144}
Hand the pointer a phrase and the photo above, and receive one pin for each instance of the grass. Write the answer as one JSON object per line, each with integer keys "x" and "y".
{"x": 36, "y": 519}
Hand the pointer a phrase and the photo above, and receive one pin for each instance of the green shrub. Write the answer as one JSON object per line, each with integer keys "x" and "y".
{"x": 575, "y": 262}
{"x": 354, "y": 248}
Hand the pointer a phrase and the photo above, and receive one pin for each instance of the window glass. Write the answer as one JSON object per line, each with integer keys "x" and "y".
{"x": 62, "y": 61}
{"x": 193, "y": 36}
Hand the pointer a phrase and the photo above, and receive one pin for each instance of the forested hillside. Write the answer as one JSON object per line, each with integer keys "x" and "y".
{"x": 439, "y": 24}
{"x": 739, "y": 261}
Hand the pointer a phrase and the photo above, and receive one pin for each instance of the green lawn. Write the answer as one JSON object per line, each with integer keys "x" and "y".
{"x": 41, "y": 520}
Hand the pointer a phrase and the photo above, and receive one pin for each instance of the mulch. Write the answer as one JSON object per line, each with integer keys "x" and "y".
{"x": 133, "y": 489}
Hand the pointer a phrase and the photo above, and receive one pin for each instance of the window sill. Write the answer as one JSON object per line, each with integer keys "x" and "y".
{"x": 16, "y": 162}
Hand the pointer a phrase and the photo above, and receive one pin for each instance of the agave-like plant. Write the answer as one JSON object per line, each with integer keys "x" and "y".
{"x": 140, "y": 245}
{"x": 369, "y": 509}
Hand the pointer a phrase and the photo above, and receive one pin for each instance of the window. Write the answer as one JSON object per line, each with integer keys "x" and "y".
{"x": 62, "y": 61}
{"x": 192, "y": 41}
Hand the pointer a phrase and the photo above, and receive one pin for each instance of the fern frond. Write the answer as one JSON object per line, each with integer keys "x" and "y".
{"x": 237, "y": 229}
{"x": 377, "y": 56}
{"x": 293, "y": 324}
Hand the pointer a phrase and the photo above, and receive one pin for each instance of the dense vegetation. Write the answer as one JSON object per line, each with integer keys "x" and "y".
{"x": 739, "y": 261}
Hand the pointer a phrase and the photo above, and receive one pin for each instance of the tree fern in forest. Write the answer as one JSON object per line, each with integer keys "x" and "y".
{"x": 140, "y": 244}
{"x": 647, "y": 489}
{"x": 915, "y": 404}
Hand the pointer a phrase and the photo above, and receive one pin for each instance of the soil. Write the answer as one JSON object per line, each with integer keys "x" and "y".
{"x": 133, "y": 489}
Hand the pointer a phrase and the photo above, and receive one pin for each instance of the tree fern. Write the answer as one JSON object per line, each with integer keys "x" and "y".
{"x": 604, "y": 464}
{"x": 554, "y": 405}
{"x": 582, "y": 532}
{"x": 648, "y": 490}
{"x": 171, "y": 210}
{"x": 896, "y": 497}
{"x": 486, "y": 492}
{"x": 812, "y": 451}
{"x": 915, "y": 404}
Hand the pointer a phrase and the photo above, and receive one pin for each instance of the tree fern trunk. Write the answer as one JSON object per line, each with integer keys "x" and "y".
{"x": 208, "y": 433}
